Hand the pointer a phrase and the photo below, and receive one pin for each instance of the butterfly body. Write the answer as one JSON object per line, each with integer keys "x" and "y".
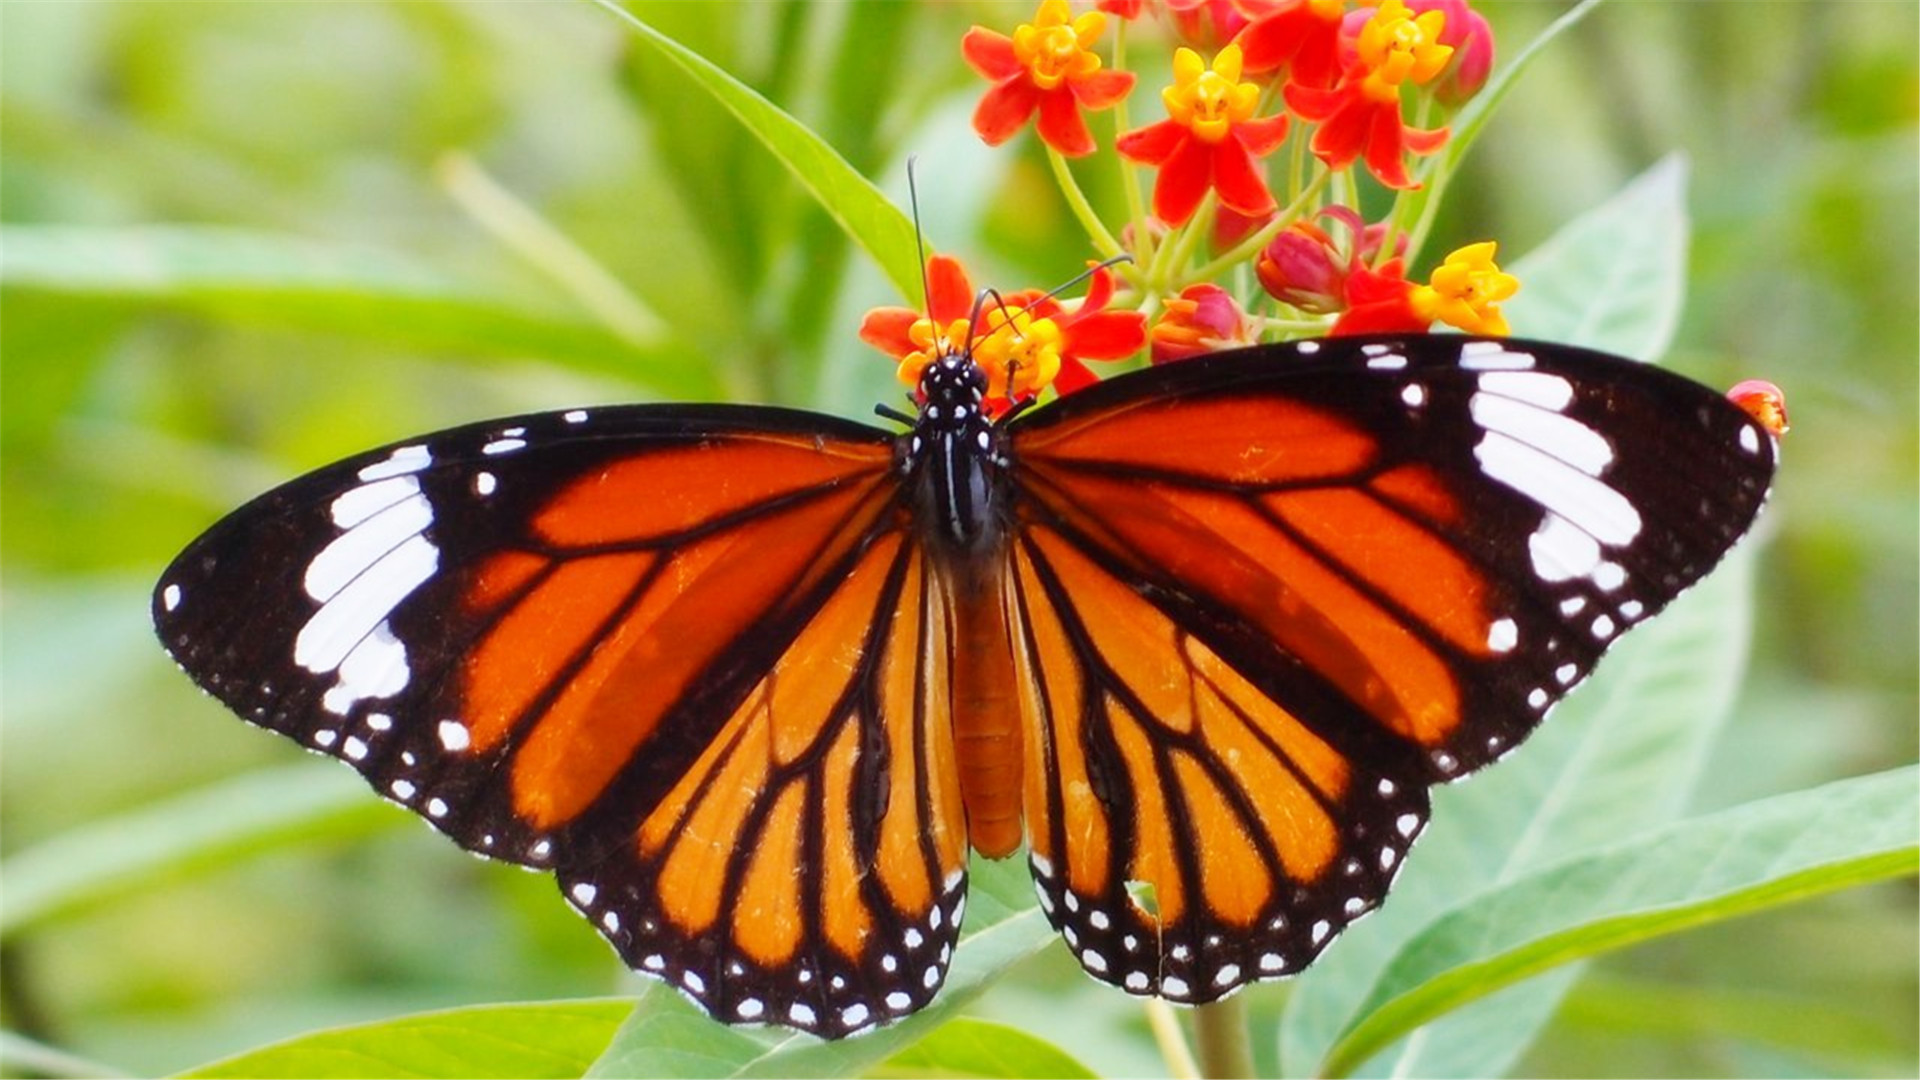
{"x": 752, "y": 682}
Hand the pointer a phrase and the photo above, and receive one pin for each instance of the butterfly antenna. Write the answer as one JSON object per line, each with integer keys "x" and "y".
{"x": 919, "y": 241}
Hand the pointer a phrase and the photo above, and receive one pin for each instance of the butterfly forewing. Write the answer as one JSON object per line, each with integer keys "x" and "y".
{"x": 1269, "y": 597}
{"x": 574, "y": 640}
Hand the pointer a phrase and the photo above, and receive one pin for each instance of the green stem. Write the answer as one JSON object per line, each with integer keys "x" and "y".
{"x": 1246, "y": 249}
{"x": 1220, "y": 1030}
{"x": 1103, "y": 241}
{"x": 1181, "y": 244}
{"x": 1129, "y": 175}
{"x": 1171, "y": 1040}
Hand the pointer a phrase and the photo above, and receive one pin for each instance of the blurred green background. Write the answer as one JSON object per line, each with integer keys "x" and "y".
{"x": 243, "y": 240}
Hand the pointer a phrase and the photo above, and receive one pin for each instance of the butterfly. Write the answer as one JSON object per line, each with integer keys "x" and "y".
{"x": 752, "y": 682}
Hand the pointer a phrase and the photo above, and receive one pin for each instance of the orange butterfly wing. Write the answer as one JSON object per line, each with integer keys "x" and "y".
{"x": 691, "y": 660}
{"x": 1264, "y": 600}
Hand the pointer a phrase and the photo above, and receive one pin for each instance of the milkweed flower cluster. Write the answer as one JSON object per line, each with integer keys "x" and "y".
{"x": 1244, "y": 218}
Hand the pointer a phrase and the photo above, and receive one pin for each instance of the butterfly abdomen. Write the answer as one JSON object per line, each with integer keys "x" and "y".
{"x": 985, "y": 710}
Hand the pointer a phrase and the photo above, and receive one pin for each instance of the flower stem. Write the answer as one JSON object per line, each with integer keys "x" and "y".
{"x": 1220, "y": 1029}
{"x": 1247, "y": 248}
{"x": 1129, "y": 177}
{"x": 1171, "y": 1040}
{"x": 1103, "y": 240}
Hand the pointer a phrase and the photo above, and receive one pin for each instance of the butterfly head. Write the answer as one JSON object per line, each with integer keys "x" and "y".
{"x": 953, "y": 456}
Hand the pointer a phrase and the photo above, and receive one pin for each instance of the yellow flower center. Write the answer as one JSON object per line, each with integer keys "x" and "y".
{"x": 1019, "y": 353}
{"x": 1466, "y": 291}
{"x": 1055, "y": 49}
{"x": 930, "y": 343}
{"x": 1206, "y": 101}
{"x": 1395, "y": 45}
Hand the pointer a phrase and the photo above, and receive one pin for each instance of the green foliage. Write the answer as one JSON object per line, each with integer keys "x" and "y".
{"x": 238, "y": 241}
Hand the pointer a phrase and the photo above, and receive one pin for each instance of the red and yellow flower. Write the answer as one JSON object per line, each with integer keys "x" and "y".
{"x": 1360, "y": 116}
{"x": 1204, "y": 318}
{"x": 1302, "y": 36}
{"x": 1025, "y": 341}
{"x": 1210, "y": 141}
{"x": 1465, "y": 292}
{"x": 1048, "y": 67}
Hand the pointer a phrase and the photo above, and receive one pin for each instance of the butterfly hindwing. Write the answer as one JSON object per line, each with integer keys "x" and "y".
{"x": 1270, "y": 596}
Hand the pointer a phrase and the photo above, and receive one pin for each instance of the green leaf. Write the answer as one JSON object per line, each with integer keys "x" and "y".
{"x": 538, "y": 1039}
{"x": 260, "y": 278}
{"x": 664, "y": 1037}
{"x": 1705, "y": 869}
{"x": 1614, "y": 278}
{"x": 1425, "y": 203}
{"x": 861, "y": 209}
{"x": 1622, "y": 753}
{"x": 218, "y": 824}
{"x": 969, "y": 1047}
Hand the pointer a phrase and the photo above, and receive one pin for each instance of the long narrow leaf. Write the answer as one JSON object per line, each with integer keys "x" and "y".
{"x": 865, "y": 212}
{"x": 1698, "y": 871}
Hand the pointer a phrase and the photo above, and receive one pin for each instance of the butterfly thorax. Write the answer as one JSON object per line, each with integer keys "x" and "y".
{"x": 954, "y": 461}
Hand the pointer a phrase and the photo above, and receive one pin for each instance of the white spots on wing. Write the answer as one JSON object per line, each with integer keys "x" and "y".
{"x": 1174, "y": 986}
{"x": 1565, "y": 674}
{"x": 1353, "y": 906}
{"x": 1098, "y": 920}
{"x": 1561, "y": 551}
{"x": 913, "y": 938}
{"x": 1609, "y": 576}
{"x": 436, "y": 807}
{"x": 1414, "y": 395}
{"x": 1561, "y": 487}
{"x": 541, "y": 849}
{"x": 325, "y": 737}
{"x": 360, "y": 549}
{"x": 1632, "y": 609}
{"x": 1503, "y": 635}
{"x": 574, "y": 416}
{"x": 1573, "y": 605}
{"x": 1227, "y": 975}
{"x": 453, "y": 735}
{"x": 1094, "y": 962}
{"x": 1555, "y": 434}
{"x": 1445, "y": 762}
{"x": 170, "y": 597}
{"x": 1493, "y": 356}
{"x": 854, "y": 1015}
{"x": 1272, "y": 962}
{"x": 359, "y": 503}
{"x": 749, "y": 1008}
{"x": 355, "y": 748}
{"x": 898, "y": 1001}
{"x": 611, "y": 920}
{"x": 1749, "y": 440}
{"x": 362, "y": 575}
{"x": 1603, "y": 627}
{"x": 485, "y": 483}
{"x": 1550, "y": 392}
{"x": 402, "y": 789}
{"x": 405, "y": 459}
{"x": 1137, "y": 981}
{"x": 692, "y": 981}
{"x": 1383, "y": 360}
{"x": 654, "y": 962}
{"x": 1386, "y": 787}
{"x": 889, "y": 962}
{"x": 584, "y": 892}
{"x": 1388, "y": 857}
{"x": 376, "y": 668}
{"x": 1321, "y": 928}
{"x": 1306, "y": 348}
{"x": 503, "y": 446}
{"x": 930, "y": 978}
{"x": 380, "y": 721}
{"x": 1538, "y": 698}
{"x": 801, "y": 1013}
{"x": 1407, "y": 824}
{"x": 1042, "y": 866}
